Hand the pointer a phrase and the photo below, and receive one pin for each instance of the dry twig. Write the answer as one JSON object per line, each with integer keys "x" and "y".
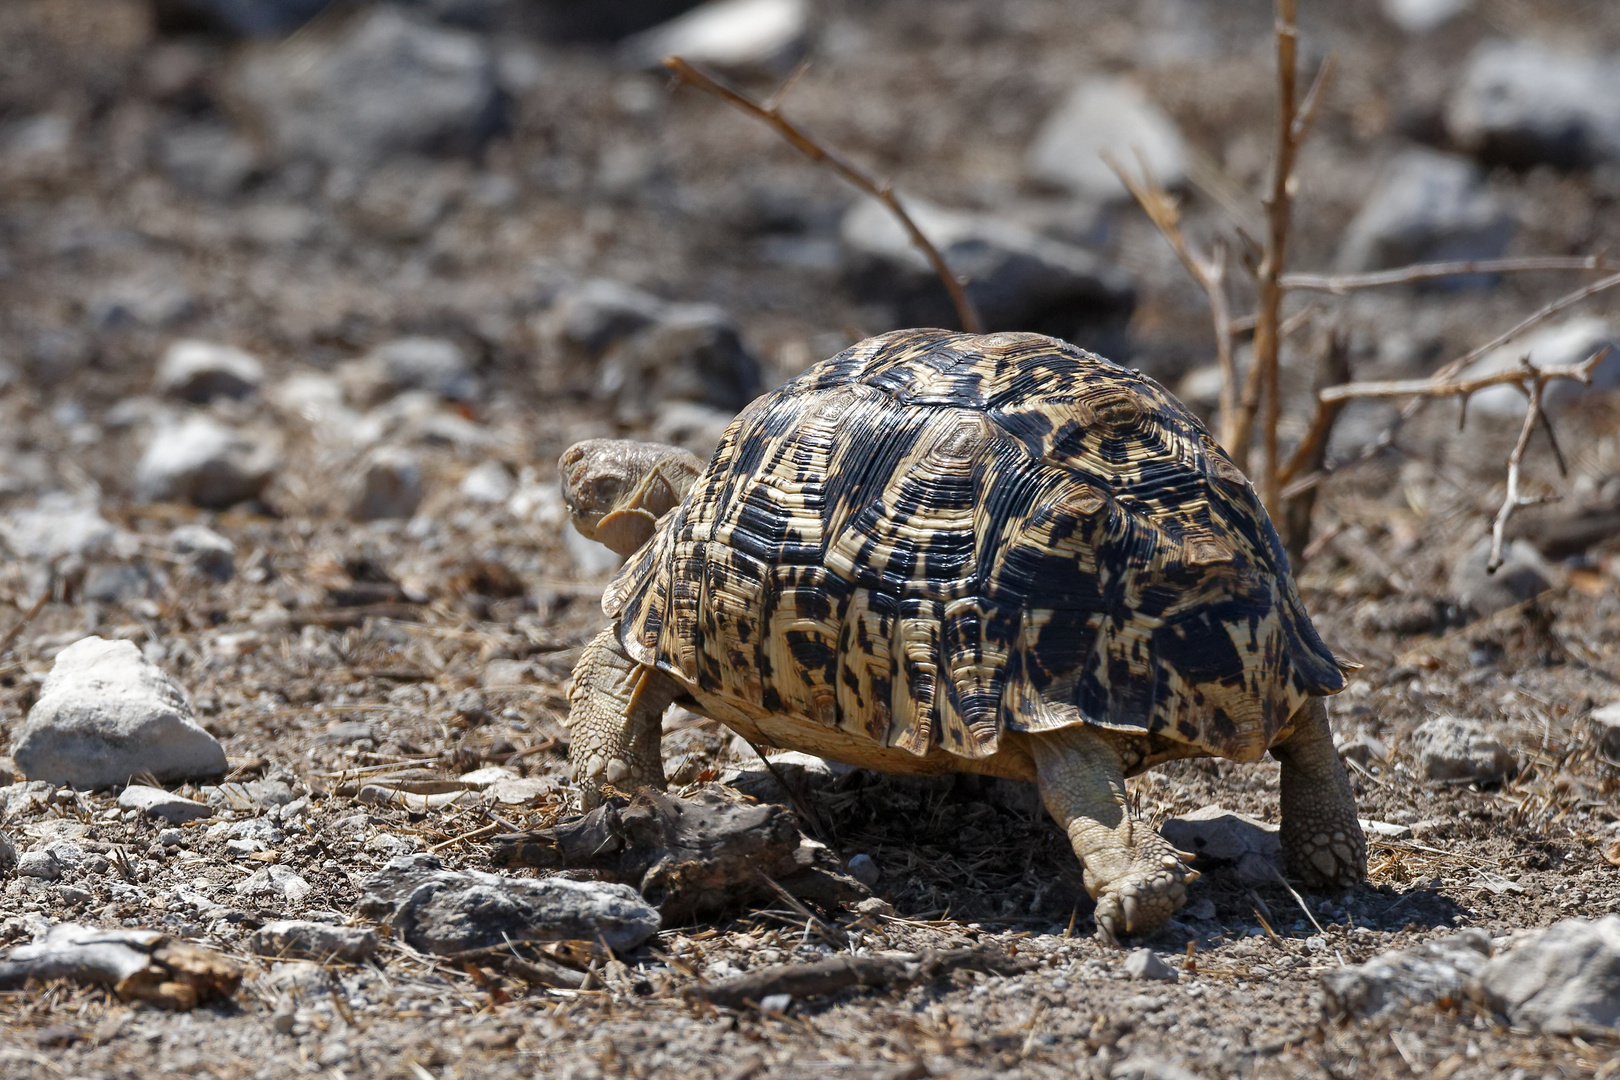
{"x": 1386, "y": 438}
{"x": 1209, "y": 271}
{"x": 806, "y": 144}
{"x": 1406, "y": 275}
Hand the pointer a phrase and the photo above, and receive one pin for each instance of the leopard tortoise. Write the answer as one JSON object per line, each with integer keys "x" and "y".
{"x": 938, "y": 552}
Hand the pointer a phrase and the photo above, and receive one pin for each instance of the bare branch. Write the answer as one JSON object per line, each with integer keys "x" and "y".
{"x": 1260, "y": 391}
{"x": 1412, "y": 408}
{"x": 1512, "y": 500}
{"x": 1330, "y": 401}
{"x": 806, "y": 144}
{"x": 1405, "y": 275}
{"x": 1209, "y": 271}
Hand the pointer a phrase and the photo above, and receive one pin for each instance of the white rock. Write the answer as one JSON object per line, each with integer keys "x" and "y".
{"x": 1145, "y": 964}
{"x": 1606, "y": 725}
{"x": 1452, "y": 748}
{"x": 389, "y": 487}
{"x": 274, "y": 881}
{"x": 1554, "y": 345}
{"x": 200, "y": 371}
{"x": 1525, "y": 103}
{"x": 201, "y": 461}
{"x": 205, "y": 550}
{"x": 1421, "y": 16}
{"x": 1565, "y": 979}
{"x": 727, "y": 34}
{"x": 488, "y": 483}
{"x": 1111, "y": 115}
{"x": 59, "y": 526}
{"x": 155, "y": 802}
{"x": 105, "y": 714}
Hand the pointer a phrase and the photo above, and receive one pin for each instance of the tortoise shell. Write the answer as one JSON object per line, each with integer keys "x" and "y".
{"x": 932, "y": 538}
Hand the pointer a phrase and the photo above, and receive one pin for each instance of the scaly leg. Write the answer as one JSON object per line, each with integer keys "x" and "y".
{"x": 1132, "y": 872}
{"x": 615, "y": 712}
{"x": 1321, "y": 837}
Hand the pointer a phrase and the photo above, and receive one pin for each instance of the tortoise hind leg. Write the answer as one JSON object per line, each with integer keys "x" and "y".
{"x": 1132, "y": 872}
{"x": 615, "y": 714}
{"x": 1321, "y": 836}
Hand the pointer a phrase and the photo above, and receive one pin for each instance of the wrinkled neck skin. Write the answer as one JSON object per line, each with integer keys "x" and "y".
{"x": 616, "y": 490}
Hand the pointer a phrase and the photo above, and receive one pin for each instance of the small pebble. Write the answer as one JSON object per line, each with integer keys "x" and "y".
{"x": 864, "y": 869}
{"x": 775, "y": 1003}
{"x": 1145, "y": 964}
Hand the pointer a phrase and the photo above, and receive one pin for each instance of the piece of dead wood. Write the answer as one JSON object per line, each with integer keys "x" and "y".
{"x": 143, "y": 965}
{"x": 524, "y": 959}
{"x": 689, "y": 857}
{"x": 839, "y": 972}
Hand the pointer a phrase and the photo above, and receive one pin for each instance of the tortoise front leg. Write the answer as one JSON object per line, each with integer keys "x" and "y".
{"x": 1132, "y": 872}
{"x": 615, "y": 713}
{"x": 1321, "y": 836}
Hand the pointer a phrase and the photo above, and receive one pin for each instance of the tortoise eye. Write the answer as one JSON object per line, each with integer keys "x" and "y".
{"x": 606, "y": 489}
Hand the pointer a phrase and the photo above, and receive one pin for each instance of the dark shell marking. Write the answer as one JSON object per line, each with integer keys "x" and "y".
{"x": 933, "y": 537}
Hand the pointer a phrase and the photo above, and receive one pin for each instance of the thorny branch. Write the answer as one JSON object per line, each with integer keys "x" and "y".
{"x": 806, "y": 144}
{"x": 1332, "y": 399}
{"x": 1386, "y": 437}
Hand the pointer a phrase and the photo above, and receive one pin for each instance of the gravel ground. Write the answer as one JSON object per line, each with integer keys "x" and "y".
{"x": 416, "y": 648}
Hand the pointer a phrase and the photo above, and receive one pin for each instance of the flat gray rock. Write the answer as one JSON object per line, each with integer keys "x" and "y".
{"x": 1523, "y": 574}
{"x": 382, "y": 84}
{"x": 598, "y": 312}
{"x": 1427, "y": 207}
{"x": 58, "y": 526}
{"x": 1396, "y": 981}
{"x": 1016, "y": 277}
{"x": 691, "y": 352}
{"x": 1565, "y": 979}
{"x": 444, "y": 911}
{"x": 298, "y": 939}
{"x": 104, "y": 714}
{"x": 203, "y": 462}
{"x": 1212, "y": 832}
{"x": 155, "y": 802}
{"x": 1452, "y": 748}
{"x": 1525, "y": 103}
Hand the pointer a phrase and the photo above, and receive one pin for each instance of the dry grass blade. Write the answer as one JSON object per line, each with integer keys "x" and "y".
{"x": 1406, "y": 275}
{"x": 806, "y": 144}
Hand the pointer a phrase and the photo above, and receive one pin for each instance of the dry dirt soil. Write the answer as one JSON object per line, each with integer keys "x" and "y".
{"x": 341, "y": 650}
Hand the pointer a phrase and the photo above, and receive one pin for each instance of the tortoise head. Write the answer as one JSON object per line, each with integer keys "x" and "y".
{"x": 616, "y": 489}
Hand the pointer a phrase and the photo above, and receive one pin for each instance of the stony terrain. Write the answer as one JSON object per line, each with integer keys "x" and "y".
{"x": 294, "y": 326}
